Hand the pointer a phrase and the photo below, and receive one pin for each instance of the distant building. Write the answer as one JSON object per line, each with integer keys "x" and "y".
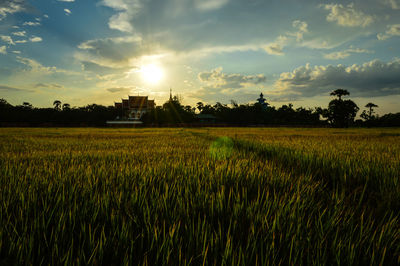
{"x": 262, "y": 101}
{"x": 134, "y": 107}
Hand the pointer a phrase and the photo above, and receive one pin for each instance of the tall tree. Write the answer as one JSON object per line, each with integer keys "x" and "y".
{"x": 57, "y": 105}
{"x": 371, "y": 110}
{"x": 339, "y": 93}
{"x": 341, "y": 113}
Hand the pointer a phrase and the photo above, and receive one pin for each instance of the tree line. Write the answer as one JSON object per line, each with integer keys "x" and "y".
{"x": 339, "y": 113}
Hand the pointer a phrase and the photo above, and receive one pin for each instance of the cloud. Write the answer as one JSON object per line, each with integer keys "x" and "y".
{"x": 35, "y": 66}
{"x": 121, "y": 89}
{"x": 19, "y": 33}
{"x": 347, "y": 16}
{"x": 392, "y": 30}
{"x": 7, "y": 39}
{"x": 35, "y": 39}
{"x": 100, "y": 70}
{"x": 206, "y": 5}
{"x": 112, "y": 52}
{"x": 219, "y": 80}
{"x": 219, "y": 86}
{"x": 126, "y": 11}
{"x": 7, "y": 88}
{"x": 11, "y": 7}
{"x": 48, "y": 86}
{"x": 3, "y": 49}
{"x": 346, "y": 53}
{"x": 276, "y": 47}
{"x": 374, "y": 78}
{"x": 394, "y": 4}
{"x": 67, "y": 11}
{"x": 302, "y": 27}
{"x": 31, "y": 23}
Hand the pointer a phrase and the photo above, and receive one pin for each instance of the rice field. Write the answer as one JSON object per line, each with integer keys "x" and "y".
{"x": 248, "y": 196}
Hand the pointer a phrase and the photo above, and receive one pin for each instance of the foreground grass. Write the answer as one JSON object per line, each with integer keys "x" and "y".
{"x": 188, "y": 196}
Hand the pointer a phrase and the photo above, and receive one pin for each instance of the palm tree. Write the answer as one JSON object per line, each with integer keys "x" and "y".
{"x": 339, "y": 93}
{"x": 371, "y": 110}
{"x": 57, "y": 105}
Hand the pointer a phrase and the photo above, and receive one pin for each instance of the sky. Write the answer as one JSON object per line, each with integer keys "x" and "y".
{"x": 293, "y": 51}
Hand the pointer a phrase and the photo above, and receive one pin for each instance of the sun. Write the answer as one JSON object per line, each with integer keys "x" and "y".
{"x": 152, "y": 73}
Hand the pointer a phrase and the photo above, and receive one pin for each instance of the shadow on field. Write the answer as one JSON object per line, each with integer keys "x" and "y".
{"x": 373, "y": 185}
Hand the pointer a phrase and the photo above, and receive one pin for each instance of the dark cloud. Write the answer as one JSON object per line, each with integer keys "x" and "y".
{"x": 374, "y": 78}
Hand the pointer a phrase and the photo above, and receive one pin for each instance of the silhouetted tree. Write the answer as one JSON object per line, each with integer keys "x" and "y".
{"x": 341, "y": 113}
{"x": 200, "y": 106}
{"x": 57, "y": 105}
{"x": 339, "y": 93}
{"x": 66, "y": 107}
{"x": 4, "y": 104}
{"x": 370, "y": 115}
{"x": 27, "y": 105}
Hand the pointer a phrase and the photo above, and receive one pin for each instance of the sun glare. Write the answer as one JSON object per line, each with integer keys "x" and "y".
{"x": 151, "y": 73}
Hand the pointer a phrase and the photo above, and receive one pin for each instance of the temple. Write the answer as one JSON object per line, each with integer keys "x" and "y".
{"x": 134, "y": 107}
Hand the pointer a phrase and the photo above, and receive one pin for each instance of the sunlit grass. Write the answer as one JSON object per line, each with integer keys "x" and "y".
{"x": 189, "y": 196}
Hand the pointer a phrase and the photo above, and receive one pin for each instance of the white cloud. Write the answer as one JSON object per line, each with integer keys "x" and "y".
{"x": 206, "y": 5}
{"x": 48, "y": 86}
{"x": 67, "y": 11}
{"x": 35, "y": 39}
{"x": 217, "y": 79}
{"x": 219, "y": 86}
{"x": 347, "y": 16}
{"x": 3, "y": 49}
{"x": 393, "y": 30}
{"x": 276, "y": 47}
{"x": 127, "y": 9}
{"x": 35, "y": 66}
{"x": 19, "y": 33}
{"x": 120, "y": 21}
{"x": 302, "y": 27}
{"x": 374, "y": 78}
{"x": 11, "y": 7}
{"x": 346, "y": 53}
{"x": 30, "y": 23}
{"x": 7, "y": 39}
